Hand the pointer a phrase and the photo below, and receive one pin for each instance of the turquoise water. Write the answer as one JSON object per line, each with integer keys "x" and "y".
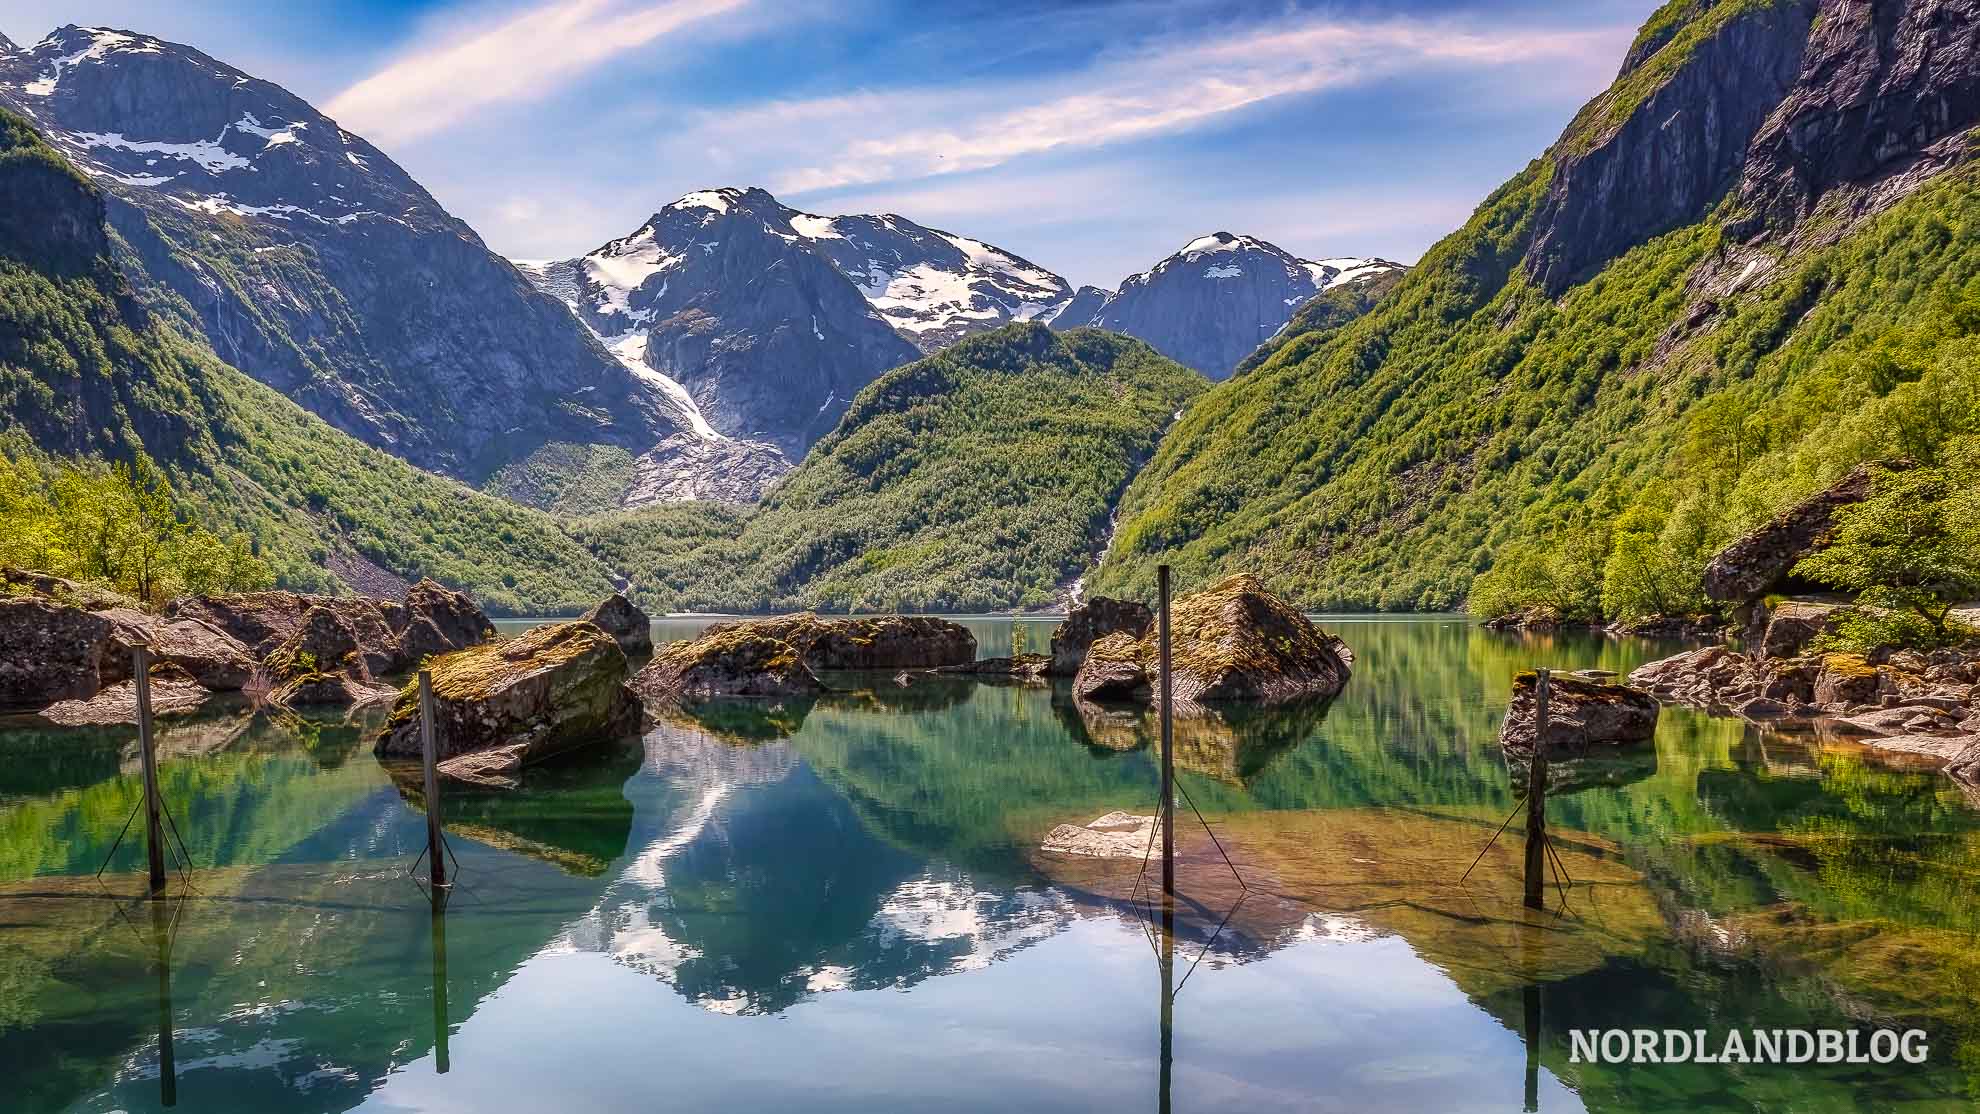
{"x": 841, "y": 905}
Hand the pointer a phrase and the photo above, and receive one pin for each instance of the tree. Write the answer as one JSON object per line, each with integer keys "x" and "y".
{"x": 1913, "y": 547}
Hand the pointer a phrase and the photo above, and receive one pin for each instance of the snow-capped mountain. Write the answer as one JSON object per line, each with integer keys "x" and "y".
{"x": 311, "y": 261}
{"x": 772, "y": 319}
{"x": 1211, "y": 303}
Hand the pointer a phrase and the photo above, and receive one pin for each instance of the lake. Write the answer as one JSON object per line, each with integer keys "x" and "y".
{"x": 841, "y": 905}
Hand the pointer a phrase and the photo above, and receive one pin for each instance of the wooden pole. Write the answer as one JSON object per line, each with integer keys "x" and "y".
{"x": 434, "y": 852}
{"x": 1168, "y": 966}
{"x": 1168, "y": 809}
{"x": 1536, "y": 798}
{"x": 154, "y": 809}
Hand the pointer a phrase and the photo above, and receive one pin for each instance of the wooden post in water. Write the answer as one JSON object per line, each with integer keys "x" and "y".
{"x": 440, "y": 1059}
{"x": 434, "y": 852}
{"x": 1168, "y": 968}
{"x": 168, "y": 1070}
{"x": 1536, "y": 797}
{"x": 154, "y": 809}
{"x": 1168, "y": 809}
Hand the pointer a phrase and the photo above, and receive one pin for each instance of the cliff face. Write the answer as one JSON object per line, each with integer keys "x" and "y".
{"x": 1649, "y": 154}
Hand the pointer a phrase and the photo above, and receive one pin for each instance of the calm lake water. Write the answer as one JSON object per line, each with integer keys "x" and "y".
{"x": 840, "y": 905}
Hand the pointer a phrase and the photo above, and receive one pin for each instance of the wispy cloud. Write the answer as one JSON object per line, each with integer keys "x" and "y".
{"x": 865, "y": 138}
{"x": 522, "y": 58}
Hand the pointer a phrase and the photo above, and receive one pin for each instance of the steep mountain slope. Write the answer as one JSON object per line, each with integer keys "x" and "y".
{"x": 981, "y": 478}
{"x": 1751, "y": 262}
{"x": 86, "y": 371}
{"x": 1215, "y": 301}
{"x": 772, "y": 319}
{"x": 314, "y": 263}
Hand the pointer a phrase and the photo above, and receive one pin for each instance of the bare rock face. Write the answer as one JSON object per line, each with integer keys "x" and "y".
{"x": 1233, "y": 642}
{"x": 49, "y": 652}
{"x": 1090, "y": 621}
{"x": 1788, "y": 628}
{"x": 322, "y": 663}
{"x": 551, "y": 689}
{"x": 1848, "y": 679}
{"x": 211, "y": 656}
{"x": 1753, "y": 565}
{"x": 1582, "y": 715}
{"x": 726, "y": 661}
{"x": 627, "y": 624}
{"x": 883, "y": 642}
{"x": 439, "y": 620}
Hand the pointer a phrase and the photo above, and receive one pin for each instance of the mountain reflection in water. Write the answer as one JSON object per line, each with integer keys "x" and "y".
{"x": 841, "y": 904}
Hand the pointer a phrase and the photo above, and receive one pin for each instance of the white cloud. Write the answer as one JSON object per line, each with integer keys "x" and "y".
{"x": 522, "y": 58}
{"x": 864, "y": 138}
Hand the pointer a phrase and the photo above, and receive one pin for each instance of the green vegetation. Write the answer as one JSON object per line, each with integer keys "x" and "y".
{"x": 119, "y": 526}
{"x": 1910, "y": 553}
{"x": 1586, "y": 454}
{"x": 90, "y": 380}
{"x": 977, "y": 479}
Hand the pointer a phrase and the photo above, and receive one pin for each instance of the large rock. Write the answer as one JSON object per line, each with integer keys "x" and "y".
{"x": 1785, "y": 630}
{"x": 172, "y": 691}
{"x": 322, "y": 663}
{"x": 625, "y": 622}
{"x": 438, "y": 620}
{"x": 49, "y": 652}
{"x": 1750, "y": 567}
{"x": 1848, "y": 679}
{"x": 548, "y": 690}
{"x": 1582, "y": 715}
{"x": 1233, "y": 642}
{"x": 1112, "y": 670}
{"x": 726, "y": 661}
{"x": 1091, "y": 621}
{"x": 212, "y": 657}
{"x": 882, "y": 642}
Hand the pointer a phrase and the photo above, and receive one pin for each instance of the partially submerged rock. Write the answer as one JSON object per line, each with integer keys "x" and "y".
{"x": 1233, "y": 642}
{"x": 211, "y": 656}
{"x": 1582, "y": 716}
{"x": 392, "y": 637}
{"x": 322, "y": 663}
{"x": 436, "y": 620}
{"x": 1091, "y": 621}
{"x": 49, "y": 652}
{"x": 1756, "y": 563}
{"x": 1117, "y": 835}
{"x": 1023, "y": 667}
{"x": 173, "y": 691}
{"x": 548, "y": 690}
{"x": 729, "y": 660}
{"x": 883, "y": 642}
{"x": 627, "y": 624}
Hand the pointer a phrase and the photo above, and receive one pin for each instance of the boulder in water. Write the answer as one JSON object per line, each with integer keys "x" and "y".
{"x": 214, "y": 658}
{"x": 730, "y": 660}
{"x": 322, "y": 663}
{"x": 1091, "y": 621}
{"x": 1582, "y": 716}
{"x": 625, "y": 622}
{"x": 49, "y": 652}
{"x": 548, "y": 690}
{"x": 439, "y": 620}
{"x": 882, "y": 642}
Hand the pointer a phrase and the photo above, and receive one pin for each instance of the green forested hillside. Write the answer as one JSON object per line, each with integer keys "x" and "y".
{"x": 978, "y": 479}
{"x": 1583, "y": 442}
{"x": 86, "y": 374}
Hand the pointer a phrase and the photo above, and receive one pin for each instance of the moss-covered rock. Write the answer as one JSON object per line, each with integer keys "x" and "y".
{"x": 1091, "y": 621}
{"x": 322, "y": 663}
{"x": 1583, "y": 715}
{"x": 1232, "y": 643}
{"x": 726, "y": 661}
{"x": 880, "y": 642}
{"x": 624, "y": 621}
{"x": 551, "y": 689}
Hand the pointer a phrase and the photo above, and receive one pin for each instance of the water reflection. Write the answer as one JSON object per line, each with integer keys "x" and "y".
{"x": 754, "y": 887}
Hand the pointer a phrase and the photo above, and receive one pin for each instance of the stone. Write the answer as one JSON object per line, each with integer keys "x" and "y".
{"x": 886, "y": 642}
{"x": 214, "y": 658}
{"x": 1232, "y": 643}
{"x": 49, "y": 652}
{"x": 173, "y": 691}
{"x": 726, "y": 661}
{"x": 494, "y": 768}
{"x": 550, "y": 689}
{"x": 1761, "y": 560}
{"x": 439, "y": 620}
{"x": 1112, "y": 671}
{"x": 1847, "y": 679}
{"x": 1023, "y": 667}
{"x": 1117, "y": 835}
{"x": 626, "y": 623}
{"x": 1582, "y": 716}
{"x": 263, "y": 621}
{"x": 1792, "y": 625}
{"x": 1761, "y": 707}
{"x": 1091, "y": 621}
{"x": 322, "y": 664}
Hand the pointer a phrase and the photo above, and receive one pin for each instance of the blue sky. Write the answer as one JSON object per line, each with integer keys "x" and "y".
{"x": 1092, "y": 136}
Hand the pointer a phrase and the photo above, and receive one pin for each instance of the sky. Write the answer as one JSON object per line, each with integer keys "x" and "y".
{"x": 1092, "y": 137}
